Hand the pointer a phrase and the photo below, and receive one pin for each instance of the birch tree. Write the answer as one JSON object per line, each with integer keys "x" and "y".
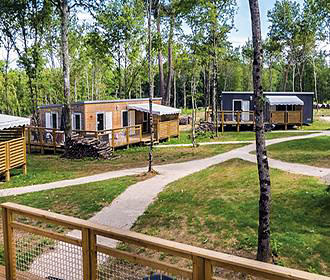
{"x": 264, "y": 249}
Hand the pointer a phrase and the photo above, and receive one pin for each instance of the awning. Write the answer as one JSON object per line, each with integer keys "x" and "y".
{"x": 156, "y": 109}
{"x": 284, "y": 100}
{"x": 7, "y": 121}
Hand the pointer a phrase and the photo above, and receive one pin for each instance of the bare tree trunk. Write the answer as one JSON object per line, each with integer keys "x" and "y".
{"x": 286, "y": 74}
{"x": 160, "y": 60}
{"x": 150, "y": 88}
{"x": 75, "y": 89}
{"x": 193, "y": 112}
{"x": 174, "y": 90}
{"x": 293, "y": 76}
{"x": 87, "y": 83}
{"x": 264, "y": 250}
{"x": 170, "y": 61}
{"x": 66, "y": 69}
{"x": 270, "y": 76}
{"x": 184, "y": 95}
{"x": 315, "y": 84}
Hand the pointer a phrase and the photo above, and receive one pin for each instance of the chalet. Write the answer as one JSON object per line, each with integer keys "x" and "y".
{"x": 281, "y": 108}
{"x": 122, "y": 122}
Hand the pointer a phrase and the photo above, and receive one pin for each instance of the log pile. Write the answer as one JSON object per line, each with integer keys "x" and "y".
{"x": 184, "y": 120}
{"x": 205, "y": 127}
{"x": 82, "y": 147}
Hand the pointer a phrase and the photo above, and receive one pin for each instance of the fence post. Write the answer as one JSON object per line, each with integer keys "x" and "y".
{"x": 198, "y": 268}
{"x": 238, "y": 120}
{"x": 86, "y": 253}
{"x": 54, "y": 139}
{"x": 113, "y": 139}
{"x": 41, "y": 135}
{"x": 93, "y": 255}
{"x": 127, "y": 137}
{"x": 7, "y": 175}
{"x": 24, "y": 155}
{"x": 140, "y": 127}
{"x": 9, "y": 244}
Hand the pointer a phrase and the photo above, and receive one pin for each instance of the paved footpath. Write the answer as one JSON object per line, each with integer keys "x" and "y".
{"x": 132, "y": 203}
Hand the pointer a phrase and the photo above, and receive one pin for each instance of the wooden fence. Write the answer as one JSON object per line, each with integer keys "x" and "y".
{"x": 286, "y": 118}
{"x": 167, "y": 129}
{"x": 94, "y": 255}
{"x": 12, "y": 155}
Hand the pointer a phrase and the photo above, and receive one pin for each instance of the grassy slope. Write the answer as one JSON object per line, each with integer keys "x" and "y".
{"x": 50, "y": 168}
{"x": 185, "y": 136}
{"x": 217, "y": 208}
{"x": 314, "y": 151}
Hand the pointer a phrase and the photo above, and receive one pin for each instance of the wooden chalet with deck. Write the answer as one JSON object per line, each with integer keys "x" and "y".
{"x": 121, "y": 122}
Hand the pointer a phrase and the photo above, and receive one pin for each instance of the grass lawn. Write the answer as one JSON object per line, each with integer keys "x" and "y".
{"x": 314, "y": 151}
{"x": 185, "y": 136}
{"x": 217, "y": 208}
{"x": 317, "y": 125}
{"x": 50, "y": 168}
{"x": 81, "y": 201}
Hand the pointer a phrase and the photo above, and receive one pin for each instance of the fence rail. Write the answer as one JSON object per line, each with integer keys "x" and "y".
{"x": 89, "y": 252}
{"x": 12, "y": 155}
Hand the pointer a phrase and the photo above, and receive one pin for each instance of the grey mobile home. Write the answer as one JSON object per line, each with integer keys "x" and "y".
{"x": 284, "y": 108}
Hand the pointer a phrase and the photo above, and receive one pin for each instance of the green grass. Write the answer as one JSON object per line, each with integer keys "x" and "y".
{"x": 50, "y": 168}
{"x": 81, "y": 201}
{"x": 185, "y": 136}
{"x": 314, "y": 151}
{"x": 317, "y": 125}
{"x": 217, "y": 208}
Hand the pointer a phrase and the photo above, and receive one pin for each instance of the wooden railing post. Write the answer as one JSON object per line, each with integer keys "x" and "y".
{"x": 24, "y": 155}
{"x": 7, "y": 157}
{"x": 113, "y": 139}
{"x": 238, "y": 120}
{"x": 41, "y": 135}
{"x": 86, "y": 253}
{"x": 198, "y": 268}
{"x": 140, "y": 127}
{"x": 127, "y": 137}
{"x": 54, "y": 139}
{"x": 92, "y": 255}
{"x": 9, "y": 244}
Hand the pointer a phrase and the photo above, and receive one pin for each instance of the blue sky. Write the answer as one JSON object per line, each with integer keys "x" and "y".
{"x": 243, "y": 21}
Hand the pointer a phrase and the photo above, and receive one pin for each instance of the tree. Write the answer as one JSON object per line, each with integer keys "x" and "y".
{"x": 264, "y": 249}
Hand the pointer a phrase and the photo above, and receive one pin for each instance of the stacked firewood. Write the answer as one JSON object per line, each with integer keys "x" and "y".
{"x": 205, "y": 127}
{"x": 82, "y": 147}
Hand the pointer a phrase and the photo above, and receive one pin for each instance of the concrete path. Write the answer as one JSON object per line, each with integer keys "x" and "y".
{"x": 132, "y": 203}
{"x": 204, "y": 144}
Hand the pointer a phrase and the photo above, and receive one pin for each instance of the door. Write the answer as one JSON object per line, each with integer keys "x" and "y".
{"x": 108, "y": 123}
{"x": 237, "y": 106}
{"x": 245, "y": 109}
{"x": 100, "y": 121}
{"x": 131, "y": 121}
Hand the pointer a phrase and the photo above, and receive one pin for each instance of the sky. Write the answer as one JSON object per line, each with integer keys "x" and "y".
{"x": 243, "y": 21}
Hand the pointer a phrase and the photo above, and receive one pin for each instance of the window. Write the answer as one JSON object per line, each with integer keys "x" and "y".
{"x": 76, "y": 121}
{"x": 54, "y": 120}
{"x": 100, "y": 121}
{"x": 280, "y": 108}
{"x": 125, "y": 118}
{"x": 145, "y": 116}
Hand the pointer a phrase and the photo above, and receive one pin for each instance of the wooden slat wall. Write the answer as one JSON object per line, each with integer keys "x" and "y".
{"x": 168, "y": 129}
{"x": 294, "y": 117}
{"x": 10, "y": 134}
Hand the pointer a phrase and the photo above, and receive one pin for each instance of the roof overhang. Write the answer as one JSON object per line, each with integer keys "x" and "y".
{"x": 284, "y": 100}
{"x": 7, "y": 121}
{"x": 157, "y": 109}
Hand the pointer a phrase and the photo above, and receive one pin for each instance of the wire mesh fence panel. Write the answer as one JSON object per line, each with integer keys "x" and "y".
{"x": 220, "y": 273}
{"x": 120, "y": 269}
{"x": 47, "y": 258}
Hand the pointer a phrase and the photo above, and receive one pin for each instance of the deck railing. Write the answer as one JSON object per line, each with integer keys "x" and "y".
{"x": 287, "y": 118}
{"x": 54, "y": 139}
{"x": 35, "y": 249}
{"x": 12, "y": 155}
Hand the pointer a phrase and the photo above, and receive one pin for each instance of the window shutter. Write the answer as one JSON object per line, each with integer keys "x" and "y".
{"x": 108, "y": 120}
{"x": 48, "y": 120}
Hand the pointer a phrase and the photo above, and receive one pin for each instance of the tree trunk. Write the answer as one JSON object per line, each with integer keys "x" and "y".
{"x": 270, "y": 76}
{"x": 174, "y": 90}
{"x": 184, "y": 95}
{"x": 66, "y": 69}
{"x": 170, "y": 61}
{"x": 160, "y": 60}
{"x": 264, "y": 250}
{"x": 315, "y": 84}
{"x": 293, "y": 76}
{"x": 150, "y": 88}
{"x": 193, "y": 112}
